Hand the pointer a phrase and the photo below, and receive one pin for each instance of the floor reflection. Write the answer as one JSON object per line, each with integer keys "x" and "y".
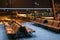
{"x": 40, "y": 34}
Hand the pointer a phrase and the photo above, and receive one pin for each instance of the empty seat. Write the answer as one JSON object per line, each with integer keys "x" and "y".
{"x": 6, "y": 24}
{"x": 40, "y": 20}
{"x": 50, "y": 22}
{"x": 55, "y": 23}
{"x": 59, "y": 24}
{"x": 11, "y": 21}
{"x": 15, "y": 27}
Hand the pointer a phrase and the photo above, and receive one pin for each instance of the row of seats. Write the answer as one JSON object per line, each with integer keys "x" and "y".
{"x": 54, "y": 24}
{"x": 13, "y": 26}
{"x": 11, "y": 29}
{"x": 27, "y": 28}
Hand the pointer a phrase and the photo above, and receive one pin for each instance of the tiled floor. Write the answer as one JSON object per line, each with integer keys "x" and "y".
{"x": 40, "y": 34}
{"x": 3, "y": 35}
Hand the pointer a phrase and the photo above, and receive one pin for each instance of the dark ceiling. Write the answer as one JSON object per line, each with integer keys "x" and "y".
{"x": 26, "y": 3}
{"x": 57, "y": 1}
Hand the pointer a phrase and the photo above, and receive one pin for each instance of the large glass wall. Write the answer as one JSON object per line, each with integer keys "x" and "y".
{"x": 42, "y": 14}
{"x": 30, "y": 14}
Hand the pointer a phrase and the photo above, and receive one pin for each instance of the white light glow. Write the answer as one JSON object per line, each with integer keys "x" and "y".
{"x": 23, "y": 15}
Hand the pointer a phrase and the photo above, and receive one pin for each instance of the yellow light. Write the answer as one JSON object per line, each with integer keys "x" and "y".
{"x": 23, "y": 15}
{"x": 35, "y": 11}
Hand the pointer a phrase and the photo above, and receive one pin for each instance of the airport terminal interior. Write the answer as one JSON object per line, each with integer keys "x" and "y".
{"x": 32, "y": 20}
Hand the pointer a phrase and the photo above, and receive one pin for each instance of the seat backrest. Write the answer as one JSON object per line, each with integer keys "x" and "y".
{"x": 37, "y": 20}
{"x": 15, "y": 27}
{"x": 55, "y": 23}
{"x": 6, "y": 24}
{"x": 59, "y": 24}
{"x": 10, "y": 21}
{"x": 50, "y": 22}
{"x": 42, "y": 21}
{"x": 18, "y": 23}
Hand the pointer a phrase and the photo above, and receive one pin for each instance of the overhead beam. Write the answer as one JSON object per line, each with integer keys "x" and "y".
{"x": 25, "y": 8}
